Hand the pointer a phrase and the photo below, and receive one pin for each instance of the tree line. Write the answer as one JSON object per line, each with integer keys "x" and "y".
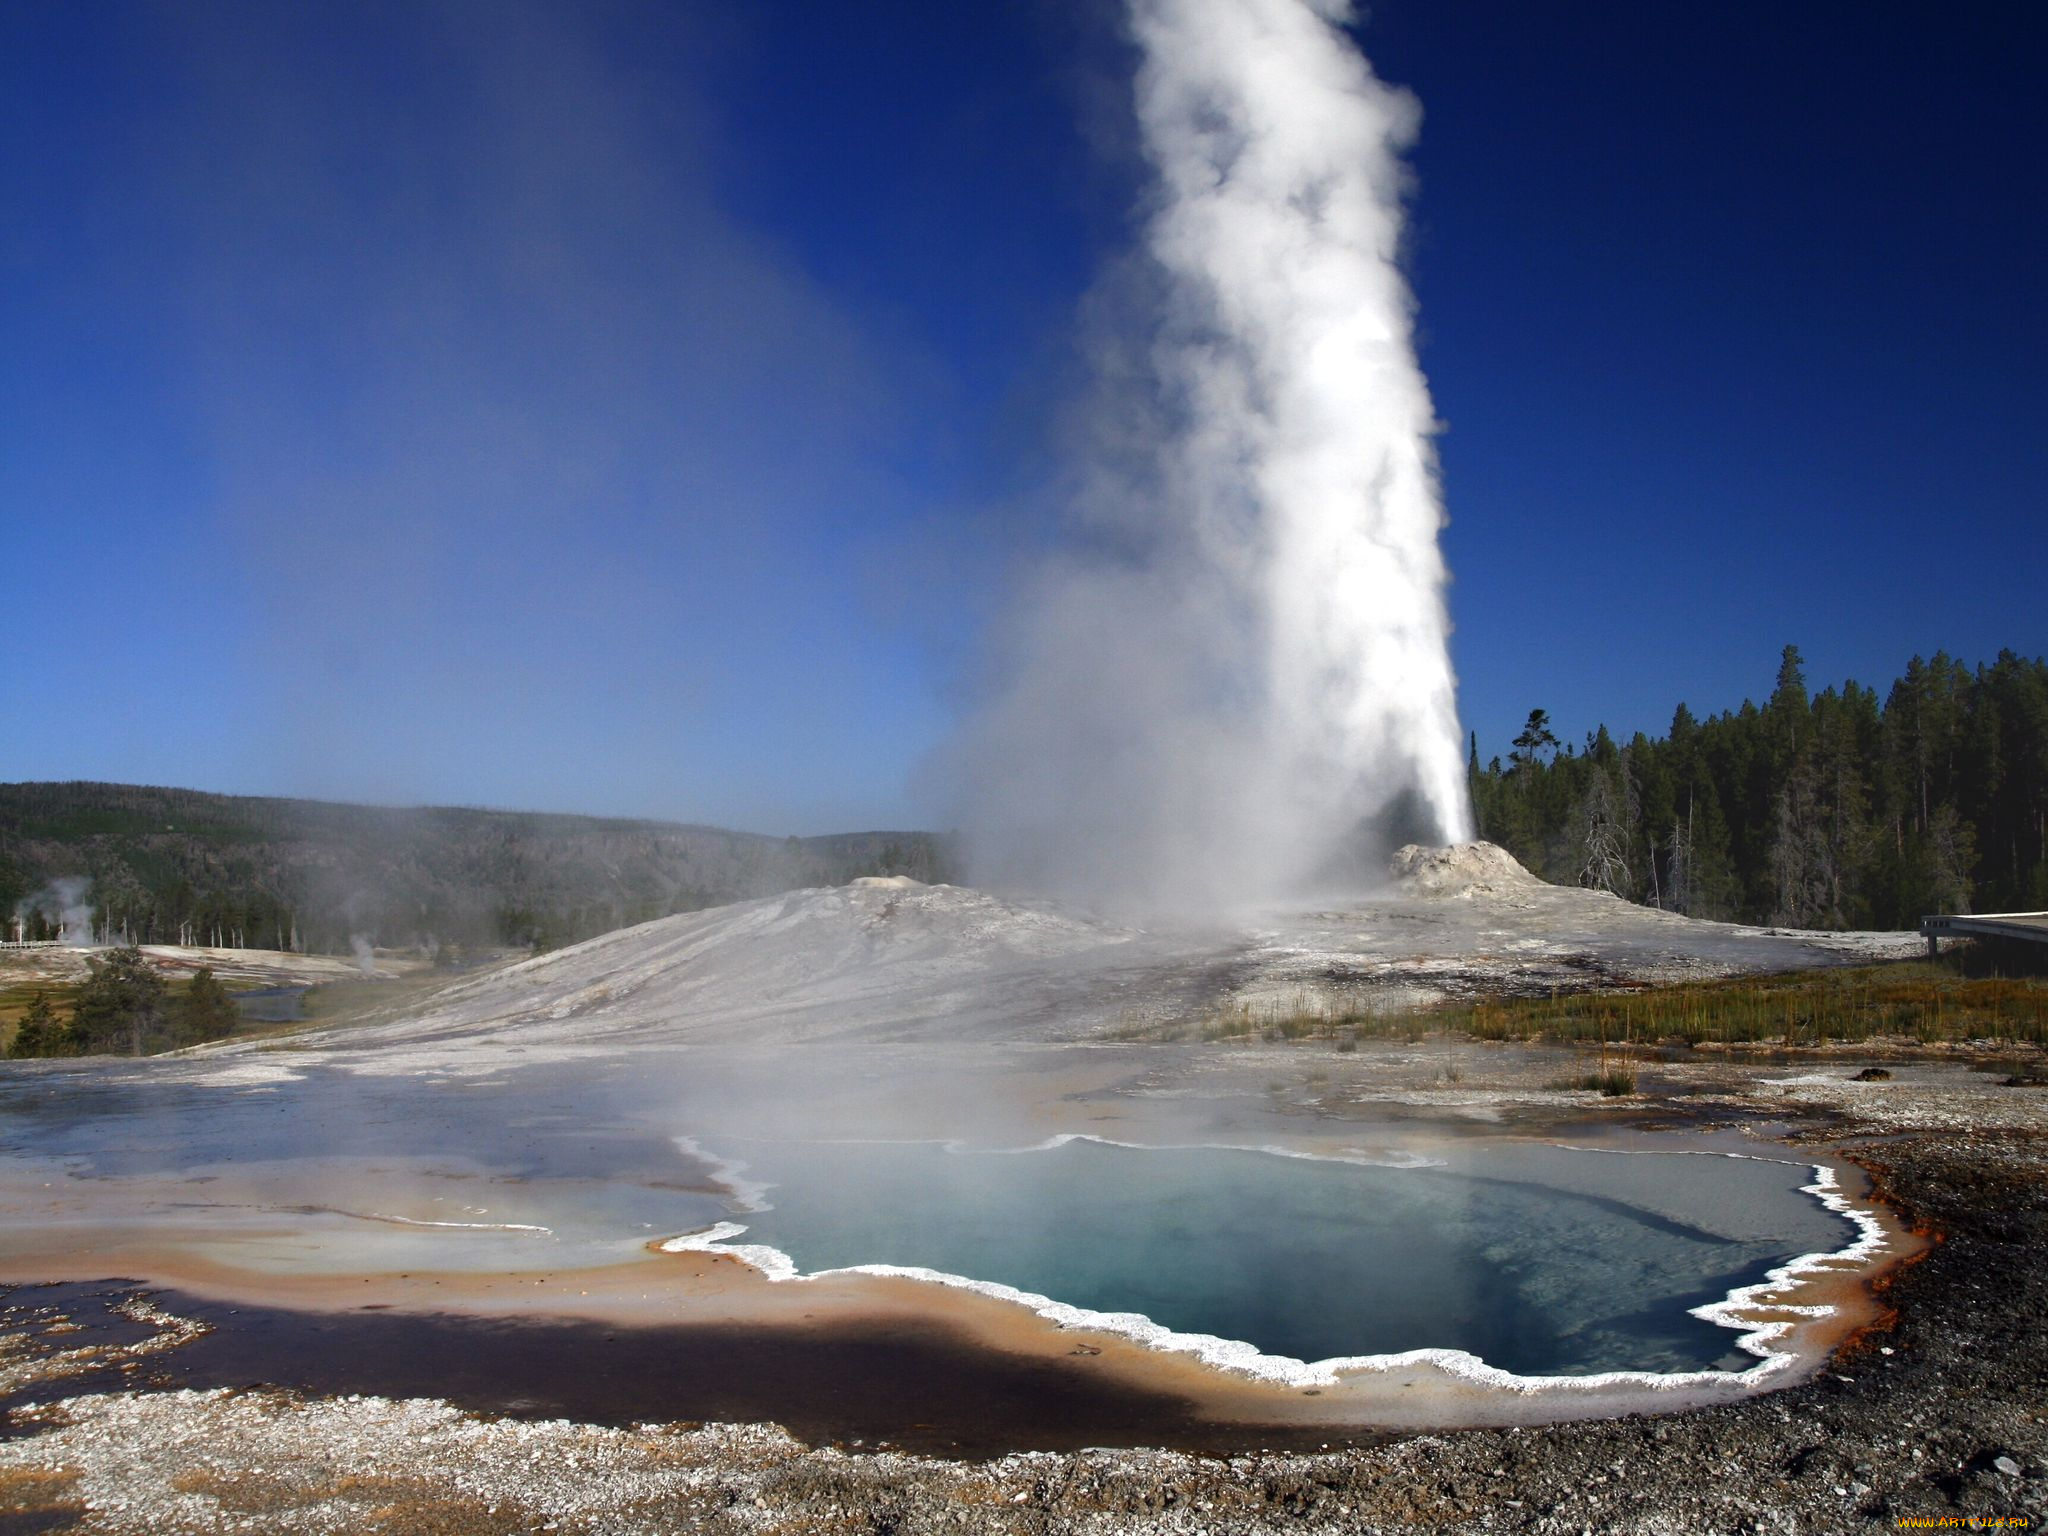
{"x": 1840, "y": 809}
{"x": 174, "y": 866}
{"x": 124, "y": 1006}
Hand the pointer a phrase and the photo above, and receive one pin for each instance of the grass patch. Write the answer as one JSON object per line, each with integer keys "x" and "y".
{"x": 1933, "y": 1002}
{"x": 1301, "y": 1015}
{"x": 1920, "y": 1000}
{"x": 367, "y": 1001}
{"x": 15, "y": 998}
{"x": 324, "y": 1006}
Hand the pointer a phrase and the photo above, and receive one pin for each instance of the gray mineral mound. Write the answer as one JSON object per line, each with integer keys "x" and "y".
{"x": 880, "y": 947}
{"x": 1462, "y": 869}
{"x": 891, "y": 959}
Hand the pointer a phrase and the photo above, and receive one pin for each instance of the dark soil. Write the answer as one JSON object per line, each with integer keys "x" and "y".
{"x": 918, "y": 1388}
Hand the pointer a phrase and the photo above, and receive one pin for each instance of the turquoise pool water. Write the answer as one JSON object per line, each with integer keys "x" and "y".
{"x": 1539, "y": 1260}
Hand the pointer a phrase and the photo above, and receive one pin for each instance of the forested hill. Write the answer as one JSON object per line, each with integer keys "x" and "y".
{"x": 1836, "y": 809}
{"x": 175, "y": 865}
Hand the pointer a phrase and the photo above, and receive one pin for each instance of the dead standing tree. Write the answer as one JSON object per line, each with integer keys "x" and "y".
{"x": 1603, "y": 838}
{"x": 1678, "y": 861}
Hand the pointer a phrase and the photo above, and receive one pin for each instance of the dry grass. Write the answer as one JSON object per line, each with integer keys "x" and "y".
{"x": 1301, "y": 1015}
{"x": 1610, "y": 1082}
{"x": 1926, "y": 1001}
{"x": 1914, "y": 1000}
{"x": 369, "y": 1000}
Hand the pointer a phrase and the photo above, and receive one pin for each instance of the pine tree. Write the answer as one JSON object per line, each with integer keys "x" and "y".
{"x": 1536, "y": 739}
{"x": 1803, "y": 866}
{"x": 37, "y": 1032}
{"x": 1788, "y": 712}
{"x": 1714, "y": 889}
{"x": 121, "y": 1004}
{"x": 1947, "y": 852}
{"x": 207, "y": 1010}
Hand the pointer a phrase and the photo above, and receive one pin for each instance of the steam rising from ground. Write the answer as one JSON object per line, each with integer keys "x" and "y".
{"x": 1241, "y": 683}
{"x": 62, "y": 903}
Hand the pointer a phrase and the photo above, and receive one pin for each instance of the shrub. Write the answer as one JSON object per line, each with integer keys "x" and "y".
{"x": 1611, "y": 1082}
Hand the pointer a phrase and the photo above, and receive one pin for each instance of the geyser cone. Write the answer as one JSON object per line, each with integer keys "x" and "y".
{"x": 1243, "y": 659}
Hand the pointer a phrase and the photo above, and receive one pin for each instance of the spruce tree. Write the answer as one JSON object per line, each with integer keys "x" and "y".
{"x": 121, "y": 1005}
{"x": 1788, "y": 711}
{"x": 37, "y": 1032}
{"x": 207, "y": 1010}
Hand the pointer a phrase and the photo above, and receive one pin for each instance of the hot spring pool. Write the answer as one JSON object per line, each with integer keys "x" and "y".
{"x": 1541, "y": 1260}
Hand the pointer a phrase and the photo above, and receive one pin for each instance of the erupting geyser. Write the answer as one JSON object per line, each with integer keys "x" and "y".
{"x": 1240, "y": 670}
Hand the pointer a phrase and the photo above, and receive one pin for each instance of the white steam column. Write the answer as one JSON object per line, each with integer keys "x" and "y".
{"x": 1250, "y": 663}
{"x": 1280, "y": 157}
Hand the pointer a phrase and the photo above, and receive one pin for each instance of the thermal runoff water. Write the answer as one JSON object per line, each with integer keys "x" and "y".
{"x": 1235, "y": 669}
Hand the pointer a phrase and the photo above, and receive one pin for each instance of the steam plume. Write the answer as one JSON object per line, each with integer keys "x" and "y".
{"x": 1243, "y": 674}
{"x": 63, "y": 903}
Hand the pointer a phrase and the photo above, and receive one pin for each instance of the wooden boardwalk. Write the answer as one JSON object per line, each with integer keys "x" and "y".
{"x": 2029, "y": 926}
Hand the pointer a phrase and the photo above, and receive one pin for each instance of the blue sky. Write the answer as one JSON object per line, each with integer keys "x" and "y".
{"x": 631, "y": 409}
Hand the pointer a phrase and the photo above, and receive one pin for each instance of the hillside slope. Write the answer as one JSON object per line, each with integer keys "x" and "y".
{"x": 166, "y": 865}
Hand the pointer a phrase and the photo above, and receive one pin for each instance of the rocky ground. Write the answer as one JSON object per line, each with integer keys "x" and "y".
{"x": 1940, "y": 1416}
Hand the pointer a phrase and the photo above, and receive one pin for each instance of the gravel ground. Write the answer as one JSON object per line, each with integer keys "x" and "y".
{"x": 1941, "y": 1416}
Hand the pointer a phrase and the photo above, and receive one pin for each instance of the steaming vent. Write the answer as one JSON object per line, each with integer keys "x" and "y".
{"x": 62, "y": 905}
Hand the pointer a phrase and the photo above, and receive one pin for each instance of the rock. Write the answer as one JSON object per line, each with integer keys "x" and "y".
{"x": 1462, "y": 869}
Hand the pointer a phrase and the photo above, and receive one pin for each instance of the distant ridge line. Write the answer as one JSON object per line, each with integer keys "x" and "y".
{"x": 170, "y": 865}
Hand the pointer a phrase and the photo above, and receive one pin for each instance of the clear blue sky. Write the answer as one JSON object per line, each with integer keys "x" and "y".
{"x": 628, "y": 408}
